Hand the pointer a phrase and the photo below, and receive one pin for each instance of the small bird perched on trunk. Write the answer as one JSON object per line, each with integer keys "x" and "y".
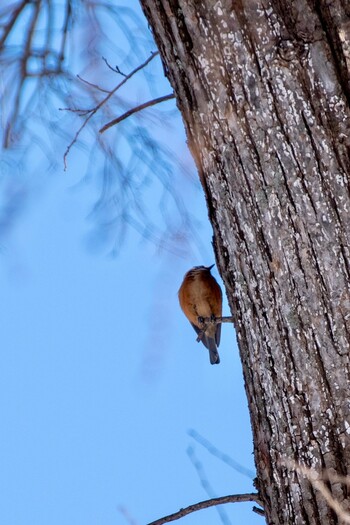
{"x": 200, "y": 298}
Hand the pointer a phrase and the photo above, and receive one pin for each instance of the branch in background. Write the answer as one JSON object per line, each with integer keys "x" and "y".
{"x": 13, "y": 19}
{"x": 234, "y": 498}
{"x": 65, "y": 29}
{"x": 45, "y": 51}
{"x": 102, "y": 102}
{"x": 131, "y": 111}
{"x": 124, "y": 511}
{"x": 32, "y": 53}
{"x": 221, "y": 455}
{"x": 206, "y": 485}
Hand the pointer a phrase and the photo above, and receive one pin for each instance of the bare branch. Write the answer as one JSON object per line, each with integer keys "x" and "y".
{"x": 218, "y": 320}
{"x": 92, "y": 85}
{"x": 103, "y": 101}
{"x": 206, "y": 321}
{"x": 259, "y": 511}
{"x": 114, "y": 69}
{"x": 136, "y": 109}
{"x": 234, "y": 498}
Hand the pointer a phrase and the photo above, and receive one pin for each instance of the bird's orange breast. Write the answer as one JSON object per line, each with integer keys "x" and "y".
{"x": 200, "y": 296}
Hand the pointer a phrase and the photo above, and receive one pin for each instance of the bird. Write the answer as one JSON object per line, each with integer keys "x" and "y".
{"x": 200, "y": 297}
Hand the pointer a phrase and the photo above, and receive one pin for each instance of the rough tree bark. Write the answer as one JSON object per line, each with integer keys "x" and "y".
{"x": 263, "y": 88}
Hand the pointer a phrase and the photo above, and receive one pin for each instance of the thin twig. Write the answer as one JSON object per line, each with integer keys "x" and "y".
{"x": 92, "y": 85}
{"x": 103, "y": 101}
{"x": 131, "y": 111}
{"x": 234, "y": 498}
{"x": 80, "y": 112}
{"x": 218, "y": 320}
{"x": 114, "y": 69}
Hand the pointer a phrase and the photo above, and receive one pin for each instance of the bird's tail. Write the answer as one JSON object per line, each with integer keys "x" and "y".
{"x": 213, "y": 351}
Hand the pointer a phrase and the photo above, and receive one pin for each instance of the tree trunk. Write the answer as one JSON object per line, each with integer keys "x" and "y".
{"x": 263, "y": 88}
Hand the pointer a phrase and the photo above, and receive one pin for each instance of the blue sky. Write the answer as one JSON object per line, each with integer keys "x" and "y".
{"x": 101, "y": 377}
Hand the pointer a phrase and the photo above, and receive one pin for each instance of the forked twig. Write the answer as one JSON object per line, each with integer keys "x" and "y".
{"x": 102, "y": 102}
{"x": 114, "y": 69}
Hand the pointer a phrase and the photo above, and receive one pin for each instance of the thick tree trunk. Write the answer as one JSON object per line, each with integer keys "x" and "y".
{"x": 263, "y": 87}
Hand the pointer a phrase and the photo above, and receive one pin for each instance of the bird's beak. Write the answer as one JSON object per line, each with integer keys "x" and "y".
{"x": 210, "y": 267}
